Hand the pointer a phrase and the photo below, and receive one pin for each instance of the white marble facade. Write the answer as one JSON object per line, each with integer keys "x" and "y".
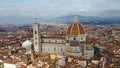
{"x": 62, "y": 44}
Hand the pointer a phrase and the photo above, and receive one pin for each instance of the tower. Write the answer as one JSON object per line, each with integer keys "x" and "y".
{"x": 37, "y": 38}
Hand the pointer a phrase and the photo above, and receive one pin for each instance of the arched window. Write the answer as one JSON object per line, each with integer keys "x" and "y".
{"x": 35, "y": 32}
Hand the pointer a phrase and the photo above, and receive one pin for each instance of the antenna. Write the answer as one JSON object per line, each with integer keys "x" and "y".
{"x": 35, "y": 19}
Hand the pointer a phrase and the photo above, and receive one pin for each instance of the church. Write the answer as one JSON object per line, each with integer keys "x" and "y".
{"x": 70, "y": 44}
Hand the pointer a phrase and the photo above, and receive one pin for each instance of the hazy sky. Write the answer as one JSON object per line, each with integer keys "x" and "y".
{"x": 48, "y": 8}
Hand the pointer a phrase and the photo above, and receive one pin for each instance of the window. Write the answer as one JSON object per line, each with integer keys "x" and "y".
{"x": 42, "y": 40}
{"x": 81, "y": 38}
{"x": 74, "y": 38}
{"x": 35, "y": 43}
{"x": 35, "y": 32}
{"x": 61, "y": 49}
{"x": 54, "y": 49}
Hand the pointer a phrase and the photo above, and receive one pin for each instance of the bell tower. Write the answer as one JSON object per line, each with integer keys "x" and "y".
{"x": 37, "y": 38}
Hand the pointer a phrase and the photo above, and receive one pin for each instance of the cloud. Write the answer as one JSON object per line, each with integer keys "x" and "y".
{"x": 110, "y": 13}
{"x": 55, "y": 7}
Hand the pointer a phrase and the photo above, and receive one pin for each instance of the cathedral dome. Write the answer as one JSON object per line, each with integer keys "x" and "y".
{"x": 75, "y": 28}
{"x": 27, "y": 45}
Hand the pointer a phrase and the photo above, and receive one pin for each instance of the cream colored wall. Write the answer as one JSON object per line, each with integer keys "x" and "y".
{"x": 1, "y": 65}
{"x": 7, "y": 65}
{"x": 54, "y": 40}
{"x": 82, "y": 37}
{"x": 89, "y": 53}
{"x": 82, "y": 63}
{"x": 53, "y": 48}
{"x": 73, "y": 54}
{"x": 78, "y": 37}
{"x": 95, "y": 61}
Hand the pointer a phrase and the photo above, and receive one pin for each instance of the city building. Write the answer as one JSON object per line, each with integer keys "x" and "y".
{"x": 12, "y": 64}
{"x": 72, "y": 44}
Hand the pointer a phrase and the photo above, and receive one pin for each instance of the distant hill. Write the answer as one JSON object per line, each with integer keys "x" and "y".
{"x": 19, "y": 19}
{"x": 110, "y": 13}
{"x": 87, "y": 19}
{"x": 63, "y": 19}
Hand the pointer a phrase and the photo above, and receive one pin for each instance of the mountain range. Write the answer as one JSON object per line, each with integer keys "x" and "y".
{"x": 62, "y": 19}
{"x": 88, "y": 19}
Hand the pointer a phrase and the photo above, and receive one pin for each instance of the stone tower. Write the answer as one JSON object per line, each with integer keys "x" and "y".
{"x": 37, "y": 38}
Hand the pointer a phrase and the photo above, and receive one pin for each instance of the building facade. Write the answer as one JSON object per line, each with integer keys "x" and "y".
{"x": 70, "y": 44}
